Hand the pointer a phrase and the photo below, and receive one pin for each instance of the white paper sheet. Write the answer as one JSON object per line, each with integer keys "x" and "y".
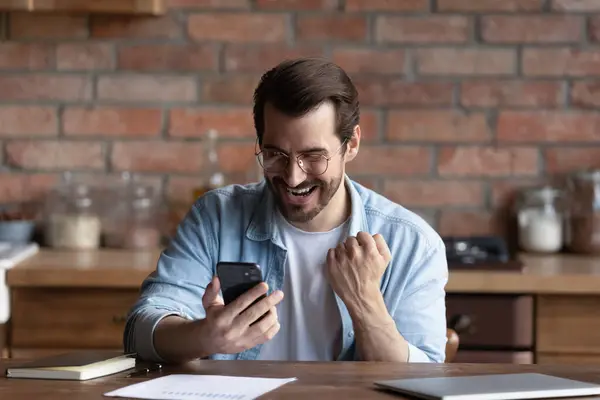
{"x": 200, "y": 387}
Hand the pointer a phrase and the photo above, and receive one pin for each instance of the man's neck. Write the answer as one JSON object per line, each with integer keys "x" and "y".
{"x": 332, "y": 216}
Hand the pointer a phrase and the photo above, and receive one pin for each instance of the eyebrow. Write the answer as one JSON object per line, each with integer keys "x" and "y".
{"x": 308, "y": 150}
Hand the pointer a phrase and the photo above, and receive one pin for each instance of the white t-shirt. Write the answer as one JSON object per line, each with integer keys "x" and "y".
{"x": 309, "y": 317}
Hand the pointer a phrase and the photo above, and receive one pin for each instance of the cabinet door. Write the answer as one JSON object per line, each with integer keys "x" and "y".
{"x": 568, "y": 325}
{"x": 494, "y": 357}
{"x": 496, "y": 321}
{"x": 69, "y": 318}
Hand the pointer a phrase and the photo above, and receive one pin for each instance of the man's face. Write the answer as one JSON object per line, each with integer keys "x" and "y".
{"x": 302, "y": 194}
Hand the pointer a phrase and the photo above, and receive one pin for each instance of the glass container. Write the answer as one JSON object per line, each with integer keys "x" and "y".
{"x": 73, "y": 217}
{"x": 541, "y": 219}
{"x": 213, "y": 177}
{"x": 135, "y": 222}
{"x": 583, "y": 233}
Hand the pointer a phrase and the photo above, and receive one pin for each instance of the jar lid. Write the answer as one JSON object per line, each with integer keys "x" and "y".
{"x": 588, "y": 174}
{"x": 546, "y": 193}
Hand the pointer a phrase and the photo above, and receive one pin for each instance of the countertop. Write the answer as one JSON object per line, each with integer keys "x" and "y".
{"x": 556, "y": 274}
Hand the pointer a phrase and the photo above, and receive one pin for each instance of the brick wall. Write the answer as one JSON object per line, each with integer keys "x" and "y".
{"x": 463, "y": 100}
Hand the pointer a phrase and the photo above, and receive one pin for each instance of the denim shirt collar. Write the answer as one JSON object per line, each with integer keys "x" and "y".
{"x": 262, "y": 226}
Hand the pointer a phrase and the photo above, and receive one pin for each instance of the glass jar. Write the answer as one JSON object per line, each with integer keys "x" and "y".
{"x": 583, "y": 233}
{"x": 540, "y": 220}
{"x": 213, "y": 177}
{"x": 73, "y": 220}
{"x": 136, "y": 222}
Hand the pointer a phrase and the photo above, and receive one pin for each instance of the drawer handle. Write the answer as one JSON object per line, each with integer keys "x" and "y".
{"x": 461, "y": 323}
{"x": 119, "y": 319}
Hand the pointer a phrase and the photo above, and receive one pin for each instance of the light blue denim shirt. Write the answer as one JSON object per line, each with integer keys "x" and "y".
{"x": 236, "y": 223}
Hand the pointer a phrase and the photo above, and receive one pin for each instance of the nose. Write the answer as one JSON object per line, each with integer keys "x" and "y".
{"x": 294, "y": 174}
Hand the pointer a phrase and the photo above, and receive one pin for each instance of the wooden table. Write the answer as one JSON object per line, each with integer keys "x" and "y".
{"x": 344, "y": 380}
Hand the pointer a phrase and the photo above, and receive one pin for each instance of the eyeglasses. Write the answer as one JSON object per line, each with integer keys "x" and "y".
{"x": 274, "y": 161}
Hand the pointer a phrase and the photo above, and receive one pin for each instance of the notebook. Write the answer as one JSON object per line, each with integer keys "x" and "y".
{"x": 81, "y": 366}
{"x": 491, "y": 387}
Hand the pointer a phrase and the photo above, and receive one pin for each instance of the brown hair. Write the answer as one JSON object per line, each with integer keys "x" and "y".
{"x": 295, "y": 87}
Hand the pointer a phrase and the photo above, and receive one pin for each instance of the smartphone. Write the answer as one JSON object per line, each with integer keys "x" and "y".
{"x": 237, "y": 278}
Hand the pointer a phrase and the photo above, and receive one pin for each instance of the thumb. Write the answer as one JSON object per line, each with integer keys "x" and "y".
{"x": 211, "y": 296}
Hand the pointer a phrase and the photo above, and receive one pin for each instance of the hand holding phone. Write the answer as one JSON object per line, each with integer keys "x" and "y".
{"x": 245, "y": 317}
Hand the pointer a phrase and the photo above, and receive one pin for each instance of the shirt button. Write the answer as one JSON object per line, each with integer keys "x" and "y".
{"x": 350, "y": 334}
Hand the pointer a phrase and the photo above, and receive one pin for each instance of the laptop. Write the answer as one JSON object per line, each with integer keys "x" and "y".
{"x": 490, "y": 387}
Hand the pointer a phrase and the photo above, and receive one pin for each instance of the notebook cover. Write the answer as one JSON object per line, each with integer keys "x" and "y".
{"x": 71, "y": 359}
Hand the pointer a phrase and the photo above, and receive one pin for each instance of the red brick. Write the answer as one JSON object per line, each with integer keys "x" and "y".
{"x": 510, "y": 93}
{"x": 209, "y": 4}
{"x": 235, "y": 89}
{"x": 297, "y": 4}
{"x": 531, "y": 29}
{"x": 594, "y": 28}
{"x": 387, "y": 5}
{"x": 195, "y": 122}
{"x": 429, "y": 193}
{"x": 576, "y": 5}
{"x": 86, "y": 56}
{"x": 237, "y": 157}
{"x": 48, "y": 26}
{"x": 28, "y": 120}
{"x": 157, "y": 156}
{"x": 561, "y": 62}
{"x": 505, "y": 191}
{"x": 467, "y": 223}
{"x": 487, "y": 161}
{"x": 127, "y": 27}
{"x": 441, "y": 61}
{"x": 19, "y": 188}
{"x": 377, "y": 91}
{"x": 586, "y": 94}
{"x": 111, "y": 121}
{"x": 263, "y": 57}
{"x": 370, "y": 61}
{"x": 255, "y": 27}
{"x": 331, "y": 27}
{"x": 181, "y": 188}
{"x": 28, "y": 56}
{"x": 45, "y": 87}
{"x": 433, "y": 29}
{"x": 489, "y": 5}
{"x": 569, "y": 159}
{"x": 370, "y": 125}
{"x": 437, "y": 126}
{"x": 548, "y": 126}
{"x": 146, "y": 88}
{"x": 54, "y": 155}
{"x": 162, "y": 57}
{"x": 391, "y": 160}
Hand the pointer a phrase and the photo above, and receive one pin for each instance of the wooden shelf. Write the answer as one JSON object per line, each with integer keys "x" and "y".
{"x": 128, "y": 7}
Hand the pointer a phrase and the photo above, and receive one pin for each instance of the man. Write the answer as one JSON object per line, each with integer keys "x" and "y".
{"x": 349, "y": 274}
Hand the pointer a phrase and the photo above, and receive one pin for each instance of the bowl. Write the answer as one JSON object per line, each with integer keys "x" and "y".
{"x": 17, "y": 231}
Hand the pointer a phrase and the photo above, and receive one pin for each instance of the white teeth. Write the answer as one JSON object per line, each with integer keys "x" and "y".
{"x": 299, "y": 192}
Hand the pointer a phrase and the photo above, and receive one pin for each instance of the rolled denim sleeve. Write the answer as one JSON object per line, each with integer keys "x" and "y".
{"x": 421, "y": 317}
{"x": 177, "y": 285}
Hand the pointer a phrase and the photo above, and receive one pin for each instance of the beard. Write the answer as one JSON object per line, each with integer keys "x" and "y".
{"x": 323, "y": 192}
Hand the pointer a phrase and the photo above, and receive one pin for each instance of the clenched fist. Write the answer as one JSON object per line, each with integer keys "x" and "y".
{"x": 355, "y": 267}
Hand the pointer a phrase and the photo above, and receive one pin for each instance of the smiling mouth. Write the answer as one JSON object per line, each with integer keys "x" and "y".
{"x": 301, "y": 192}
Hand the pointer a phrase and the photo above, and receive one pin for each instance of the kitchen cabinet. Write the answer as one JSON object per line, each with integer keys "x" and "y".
{"x": 148, "y": 7}
{"x": 66, "y": 301}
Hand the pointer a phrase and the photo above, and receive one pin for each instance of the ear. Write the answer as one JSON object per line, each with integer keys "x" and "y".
{"x": 353, "y": 144}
